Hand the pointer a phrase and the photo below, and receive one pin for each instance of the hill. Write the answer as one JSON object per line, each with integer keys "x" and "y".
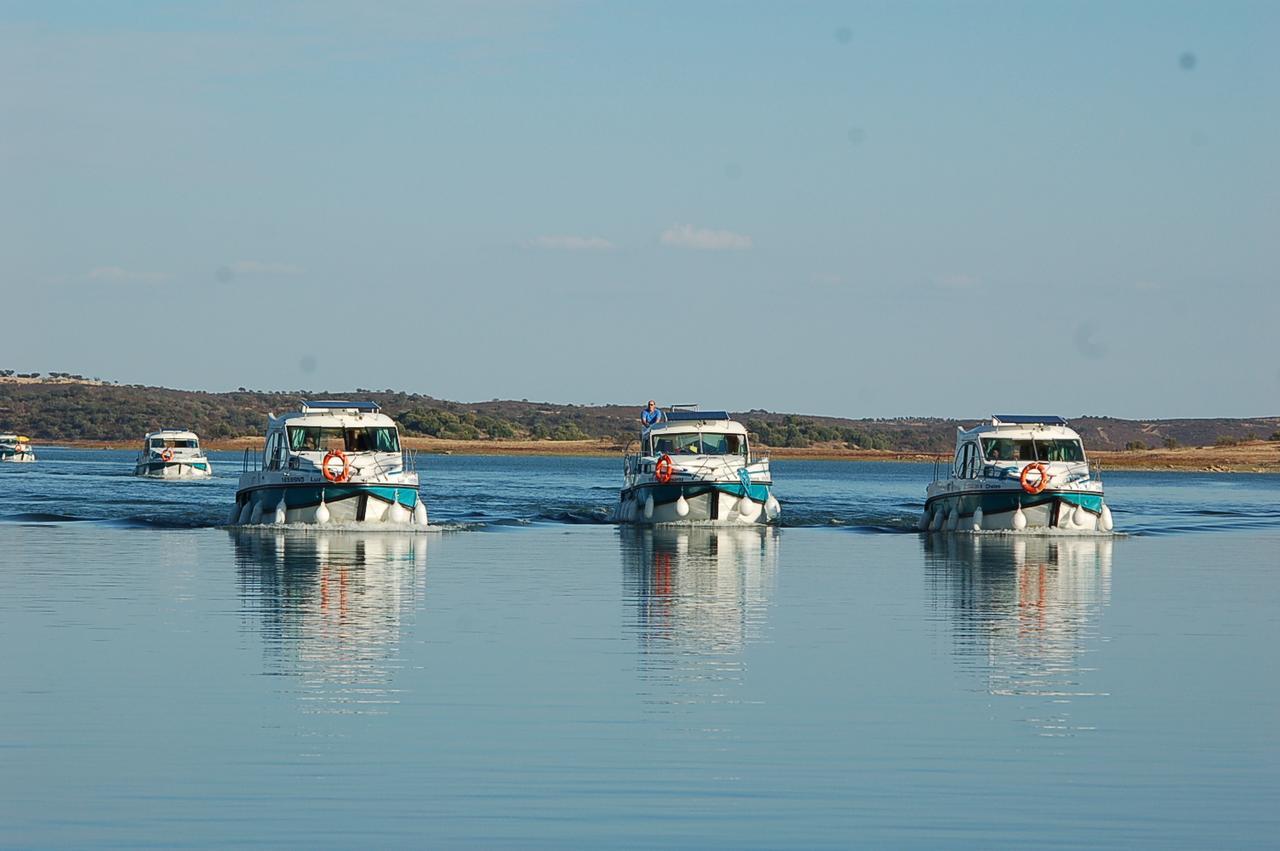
{"x": 65, "y": 409}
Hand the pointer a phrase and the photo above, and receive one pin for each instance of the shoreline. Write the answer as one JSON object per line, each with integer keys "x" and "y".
{"x": 1258, "y": 456}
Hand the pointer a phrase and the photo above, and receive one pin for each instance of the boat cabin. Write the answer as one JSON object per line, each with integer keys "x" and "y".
{"x": 171, "y": 438}
{"x": 695, "y": 433}
{"x": 1016, "y": 439}
{"x": 321, "y": 428}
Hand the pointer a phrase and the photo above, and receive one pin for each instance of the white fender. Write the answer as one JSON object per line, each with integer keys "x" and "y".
{"x": 1019, "y": 519}
{"x": 236, "y": 511}
{"x": 1105, "y": 522}
{"x": 746, "y": 507}
{"x": 396, "y": 513}
{"x": 280, "y": 516}
{"x": 939, "y": 517}
{"x": 648, "y": 507}
{"x": 322, "y": 510}
{"x": 1080, "y": 517}
{"x": 682, "y": 506}
{"x": 420, "y": 512}
{"x": 923, "y": 522}
{"x": 953, "y": 519}
{"x": 772, "y": 508}
{"x": 977, "y": 519}
{"x": 255, "y": 516}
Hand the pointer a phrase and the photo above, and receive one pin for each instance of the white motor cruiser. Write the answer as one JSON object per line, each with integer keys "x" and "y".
{"x": 1018, "y": 473}
{"x": 16, "y": 448}
{"x": 331, "y": 462}
{"x": 172, "y": 454}
{"x": 696, "y": 467}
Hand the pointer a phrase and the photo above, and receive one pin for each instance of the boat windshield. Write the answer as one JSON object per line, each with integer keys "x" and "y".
{"x": 1059, "y": 450}
{"x": 321, "y": 439}
{"x": 1008, "y": 449}
{"x": 697, "y": 443}
{"x": 171, "y": 443}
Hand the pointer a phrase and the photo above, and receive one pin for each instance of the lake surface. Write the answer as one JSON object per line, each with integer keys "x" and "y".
{"x": 533, "y": 677}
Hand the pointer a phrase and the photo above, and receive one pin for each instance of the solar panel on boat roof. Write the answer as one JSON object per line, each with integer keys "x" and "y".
{"x": 332, "y": 405}
{"x": 691, "y": 416}
{"x": 1027, "y": 419}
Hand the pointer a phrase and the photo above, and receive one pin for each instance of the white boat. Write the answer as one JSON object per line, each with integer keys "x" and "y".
{"x": 1017, "y": 473}
{"x": 16, "y": 448}
{"x": 330, "y": 462}
{"x": 696, "y": 467}
{"x": 172, "y": 453}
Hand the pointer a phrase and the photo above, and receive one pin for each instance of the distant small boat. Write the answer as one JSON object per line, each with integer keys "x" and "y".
{"x": 330, "y": 462}
{"x": 172, "y": 454}
{"x": 696, "y": 467}
{"x": 16, "y": 448}
{"x": 1018, "y": 473}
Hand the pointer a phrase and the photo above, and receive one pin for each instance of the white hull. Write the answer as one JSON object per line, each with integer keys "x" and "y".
{"x": 174, "y": 470}
{"x": 999, "y": 511}
{"x": 273, "y": 502}
{"x": 19, "y": 458}
{"x": 709, "y": 507}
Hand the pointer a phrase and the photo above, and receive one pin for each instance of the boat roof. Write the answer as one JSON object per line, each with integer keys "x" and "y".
{"x": 16, "y": 438}
{"x": 1027, "y": 419}
{"x": 695, "y": 416}
{"x": 1022, "y": 425}
{"x": 340, "y": 405}
{"x": 172, "y": 432}
{"x": 681, "y": 421}
{"x": 335, "y": 414}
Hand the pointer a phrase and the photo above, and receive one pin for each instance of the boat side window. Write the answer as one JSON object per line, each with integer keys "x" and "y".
{"x": 318, "y": 439}
{"x": 171, "y": 443}
{"x": 997, "y": 449}
{"x": 1008, "y": 449}
{"x": 715, "y": 444}
{"x": 688, "y": 444}
{"x": 966, "y": 463}
{"x": 664, "y": 446}
{"x": 1059, "y": 450}
{"x": 371, "y": 440}
{"x": 735, "y": 445}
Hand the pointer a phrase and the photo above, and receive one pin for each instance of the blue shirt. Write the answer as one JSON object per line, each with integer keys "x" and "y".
{"x": 650, "y": 417}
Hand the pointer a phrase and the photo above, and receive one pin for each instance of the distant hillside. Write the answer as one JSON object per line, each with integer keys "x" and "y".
{"x": 73, "y": 410}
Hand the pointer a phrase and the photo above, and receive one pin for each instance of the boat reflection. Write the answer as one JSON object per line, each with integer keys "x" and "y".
{"x": 329, "y": 607}
{"x": 700, "y": 595}
{"x": 1026, "y": 613}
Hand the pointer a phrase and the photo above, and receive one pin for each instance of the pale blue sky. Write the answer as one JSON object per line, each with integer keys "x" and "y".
{"x": 851, "y": 209}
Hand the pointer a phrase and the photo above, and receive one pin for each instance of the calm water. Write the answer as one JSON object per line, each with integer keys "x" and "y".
{"x": 533, "y": 677}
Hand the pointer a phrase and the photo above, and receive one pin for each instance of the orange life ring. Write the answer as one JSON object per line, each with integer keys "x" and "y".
{"x": 1039, "y": 485}
{"x": 167, "y": 455}
{"x": 340, "y": 476}
{"x": 663, "y": 469}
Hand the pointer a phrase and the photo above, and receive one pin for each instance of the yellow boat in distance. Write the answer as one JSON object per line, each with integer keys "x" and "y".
{"x": 16, "y": 448}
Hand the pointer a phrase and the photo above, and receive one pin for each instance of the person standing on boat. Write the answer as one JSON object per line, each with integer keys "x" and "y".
{"x": 652, "y": 414}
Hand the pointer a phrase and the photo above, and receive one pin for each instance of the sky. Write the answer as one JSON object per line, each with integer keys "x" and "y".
{"x": 854, "y": 209}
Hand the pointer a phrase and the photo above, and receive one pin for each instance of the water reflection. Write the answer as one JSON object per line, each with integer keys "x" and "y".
{"x": 329, "y": 606}
{"x": 1026, "y": 615}
{"x": 700, "y": 595}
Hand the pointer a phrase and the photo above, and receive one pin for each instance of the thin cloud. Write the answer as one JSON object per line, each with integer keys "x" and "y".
{"x": 704, "y": 239}
{"x": 257, "y": 267}
{"x": 569, "y": 243}
{"x": 120, "y": 275}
